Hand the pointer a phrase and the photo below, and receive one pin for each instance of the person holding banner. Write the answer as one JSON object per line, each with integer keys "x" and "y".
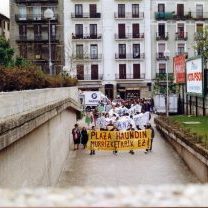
{"x": 148, "y": 126}
{"x": 92, "y": 151}
{"x": 131, "y": 129}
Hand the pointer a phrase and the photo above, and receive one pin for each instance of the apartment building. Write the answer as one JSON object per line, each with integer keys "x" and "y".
{"x": 4, "y": 26}
{"x": 106, "y": 46}
{"x": 175, "y": 25}
{"x": 30, "y": 32}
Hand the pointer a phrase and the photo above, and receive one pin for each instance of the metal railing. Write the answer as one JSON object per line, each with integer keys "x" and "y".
{"x": 162, "y": 36}
{"x": 130, "y": 76}
{"x": 161, "y": 56}
{"x": 130, "y": 56}
{"x": 129, "y": 15}
{"x": 181, "y": 36}
{"x": 36, "y": 1}
{"x": 86, "y": 36}
{"x": 130, "y": 36}
{"x": 182, "y": 53}
{"x": 90, "y": 77}
{"x": 33, "y": 17}
{"x": 163, "y": 76}
{"x": 36, "y": 38}
{"x": 86, "y": 15}
{"x": 87, "y": 57}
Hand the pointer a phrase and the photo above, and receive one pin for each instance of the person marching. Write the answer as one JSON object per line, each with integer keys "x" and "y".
{"x": 92, "y": 151}
{"x": 76, "y": 136}
{"x": 131, "y": 129}
{"x": 148, "y": 126}
{"x": 84, "y": 137}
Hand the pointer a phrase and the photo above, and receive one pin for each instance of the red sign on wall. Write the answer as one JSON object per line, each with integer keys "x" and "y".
{"x": 179, "y": 64}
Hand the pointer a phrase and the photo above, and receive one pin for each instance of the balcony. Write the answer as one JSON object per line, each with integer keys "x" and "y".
{"x": 36, "y": 38}
{"x": 129, "y": 56}
{"x": 36, "y": 1}
{"x": 129, "y": 36}
{"x": 34, "y": 18}
{"x": 182, "y": 53}
{"x": 86, "y": 16}
{"x": 87, "y": 77}
{"x": 129, "y": 15}
{"x": 161, "y": 57}
{"x": 87, "y": 57}
{"x": 129, "y": 76}
{"x": 162, "y": 36}
{"x": 163, "y": 76}
{"x": 181, "y": 36}
{"x": 201, "y": 16}
{"x": 87, "y": 36}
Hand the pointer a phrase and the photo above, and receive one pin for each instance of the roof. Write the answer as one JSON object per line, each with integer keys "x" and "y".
{"x": 3, "y": 17}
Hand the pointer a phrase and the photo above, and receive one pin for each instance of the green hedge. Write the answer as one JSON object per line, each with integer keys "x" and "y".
{"x": 25, "y": 78}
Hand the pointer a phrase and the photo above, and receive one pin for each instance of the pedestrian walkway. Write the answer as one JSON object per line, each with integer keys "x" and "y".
{"x": 161, "y": 166}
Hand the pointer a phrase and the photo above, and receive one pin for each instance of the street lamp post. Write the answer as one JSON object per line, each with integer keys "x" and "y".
{"x": 167, "y": 53}
{"x": 49, "y": 14}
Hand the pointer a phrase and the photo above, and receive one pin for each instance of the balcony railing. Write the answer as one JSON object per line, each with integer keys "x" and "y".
{"x": 162, "y": 36}
{"x": 130, "y": 76}
{"x": 88, "y": 77}
{"x": 199, "y": 36}
{"x": 130, "y": 56}
{"x": 163, "y": 76}
{"x": 186, "y": 16}
{"x": 86, "y": 15}
{"x": 86, "y": 36}
{"x": 129, "y": 15}
{"x": 87, "y": 57}
{"x": 161, "y": 56}
{"x": 38, "y": 38}
{"x": 181, "y": 36}
{"x": 36, "y": 1}
{"x": 182, "y": 53}
{"x": 32, "y": 17}
{"x": 129, "y": 36}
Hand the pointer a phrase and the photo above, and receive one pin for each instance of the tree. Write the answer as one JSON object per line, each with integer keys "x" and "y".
{"x": 201, "y": 43}
{"x": 6, "y": 53}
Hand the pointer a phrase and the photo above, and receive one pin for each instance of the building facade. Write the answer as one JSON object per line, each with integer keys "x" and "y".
{"x": 106, "y": 46}
{"x": 30, "y": 32}
{"x": 175, "y": 25}
{"x": 4, "y": 26}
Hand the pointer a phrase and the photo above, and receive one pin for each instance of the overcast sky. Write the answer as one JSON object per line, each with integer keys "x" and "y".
{"x": 4, "y": 7}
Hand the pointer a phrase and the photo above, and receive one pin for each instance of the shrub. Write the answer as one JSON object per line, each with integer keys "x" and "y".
{"x": 24, "y": 78}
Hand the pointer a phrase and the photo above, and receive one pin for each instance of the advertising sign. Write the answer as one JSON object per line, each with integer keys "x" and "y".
{"x": 179, "y": 65}
{"x": 92, "y": 98}
{"x": 194, "y": 76}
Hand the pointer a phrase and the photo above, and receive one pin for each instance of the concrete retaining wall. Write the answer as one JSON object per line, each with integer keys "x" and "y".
{"x": 35, "y": 143}
{"x": 194, "y": 156}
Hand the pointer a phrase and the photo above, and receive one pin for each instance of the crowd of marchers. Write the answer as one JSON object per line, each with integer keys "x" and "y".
{"x": 116, "y": 115}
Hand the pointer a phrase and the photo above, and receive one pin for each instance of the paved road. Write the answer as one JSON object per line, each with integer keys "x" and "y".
{"x": 161, "y": 166}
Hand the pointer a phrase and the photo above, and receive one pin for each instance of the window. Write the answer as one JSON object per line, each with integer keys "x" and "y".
{"x": 181, "y": 48}
{"x": 161, "y": 8}
{"x": 79, "y": 51}
{"x": 79, "y": 30}
{"x": 135, "y": 10}
{"x": 122, "y": 71}
{"x": 22, "y": 12}
{"x": 161, "y": 30}
{"x": 94, "y": 72}
{"x": 199, "y": 28}
{"x": 53, "y": 31}
{"x": 78, "y": 10}
{"x": 180, "y": 10}
{"x": 93, "y": 10}
{"x": 135, "y": 29}
{"x": 161, "y": 49}
{"x": 37, "y": 50}
{"x": 36, "y": 12}
{"x": 180, "y": 30}
{"x": 162, "y": 68}
{"x": 23, "y": 50}
{"x": 93, "y": 51}
{"x": 121, "y": 10}
{"x": 23, "y": 32}
{"x": 121, "y": 31}
{"x": 136, "y": 50}
{"x": 122, "y": 50}
{"x": 37, "y": 32}
{"x": 80, "y": 72}
{"x": 136, "y": 71}
{"x": 93, "y": 31}
{"x": 199, "y": 11}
